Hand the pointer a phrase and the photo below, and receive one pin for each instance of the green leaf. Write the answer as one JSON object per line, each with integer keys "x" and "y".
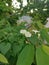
{"x": 39, "y": 25}
{"x": 44, "y": 35}
{"x": 17, "y": 48}
{"x": 45, "y": 49}
{"x": 26, "y": 56}
{"x": 3, "y": 59}
{"x": 33, "y": 39}
{"x": 5, "y": 47}
{"x": 41, "y": 57}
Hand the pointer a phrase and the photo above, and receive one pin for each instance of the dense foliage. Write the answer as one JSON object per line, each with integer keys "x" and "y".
{"x": 19, "y": 44}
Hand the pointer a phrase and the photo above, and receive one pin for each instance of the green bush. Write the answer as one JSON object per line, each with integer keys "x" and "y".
{"x": 19, "y": 44}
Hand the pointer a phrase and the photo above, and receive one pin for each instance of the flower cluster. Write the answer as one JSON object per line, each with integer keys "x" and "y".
{"x": 25, "y": 32}
{"x": 28, "y": 34}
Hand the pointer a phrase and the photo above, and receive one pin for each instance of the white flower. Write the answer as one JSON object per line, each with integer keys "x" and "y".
{"x": 13, "y": 11}
{"x": 23, "y": 31}
{"x": 31, "y": 11}
{"x": 45, "y": 1}
{"x": 44, "y": 9}
{"x": 16, "y": 4}
{"x": 38, "y": 35}
{"x": 36, "y": 9}
{"x": 6, "y": 4}
{"x": 35, "y": 31}
{"x": 24, "y": 3}
{"x": 28, "y": 34}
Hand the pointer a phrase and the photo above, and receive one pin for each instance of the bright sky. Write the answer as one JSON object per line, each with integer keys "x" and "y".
{"x": 17, "y": 4}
